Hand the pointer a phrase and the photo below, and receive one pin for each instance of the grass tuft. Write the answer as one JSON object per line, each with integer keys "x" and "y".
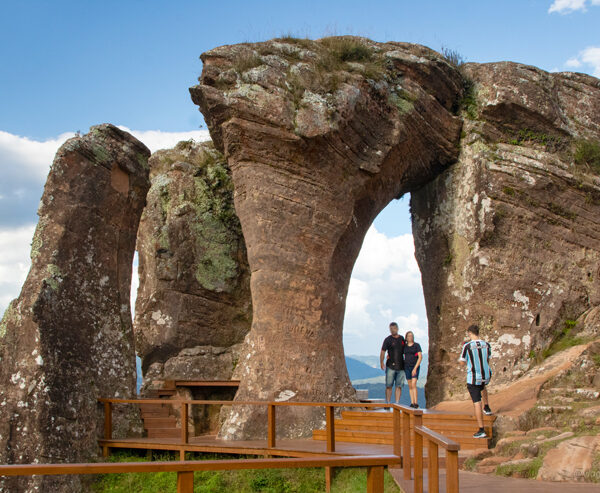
{"x": 563, "y": 340}
{"x": 587, "y": 153}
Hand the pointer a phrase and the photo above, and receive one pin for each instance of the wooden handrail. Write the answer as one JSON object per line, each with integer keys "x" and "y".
{"x": 401, "y": 435}
{"x": 434, "y": 436}
{"x": 406, "y": 409}
{"x": 185, "y": 469}
{"x": 434, "y": 441}
{"x": 197, "y": 465}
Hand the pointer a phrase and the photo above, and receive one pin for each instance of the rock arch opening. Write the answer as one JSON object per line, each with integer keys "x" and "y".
{"x": 385, "y": 286}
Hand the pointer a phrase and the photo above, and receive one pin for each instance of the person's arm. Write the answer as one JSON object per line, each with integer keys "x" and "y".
{"x": 463, "y": 356}
{"x": 420, "y": 357}
{"x": 381, "y": 358}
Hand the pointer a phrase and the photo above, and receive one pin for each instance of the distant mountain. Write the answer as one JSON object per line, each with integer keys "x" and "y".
{"x": 359, "y": 370}
{"x": 377, "y": 391}
{"x": 372, "y": 361}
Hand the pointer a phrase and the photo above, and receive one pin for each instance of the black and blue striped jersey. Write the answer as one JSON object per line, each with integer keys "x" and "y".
{"x": 477, "y": 355}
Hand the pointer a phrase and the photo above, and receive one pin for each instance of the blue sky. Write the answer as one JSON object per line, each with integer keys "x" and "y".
{"x": 67, "y": 65}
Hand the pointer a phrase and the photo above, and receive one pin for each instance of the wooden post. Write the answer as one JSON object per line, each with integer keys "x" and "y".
{"x": 452, "y": 471}
{"x": 271, "y": 438}
{"x": 418, "y": 451}
{"x": 397, "y": 421}
{"x": 375, "y": 479}
{"x": 107, "y": 420}
{"x": 433, "y": 470}
{"x": 184, "y": 422}
{"x": 330, "y": 428}
{"x": 406, "y": 445}
{"x": 418, "y": 447}
{"x": 185, "y": 482}
{"x": 328, "y": 478}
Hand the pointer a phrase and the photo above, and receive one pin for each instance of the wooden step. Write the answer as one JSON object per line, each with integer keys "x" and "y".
{"x": 427, "y": 415}
{"x": 159, "y": 394}
{"x": 356, "y": 436}
{"x": 344, "y": 424}
{"x": 154, "y": 410}
{"x": 466, "y": 442}
{"x": 430, "y": 422}
{"x": 160, "y": 422}
{"x": 164, "y": 432}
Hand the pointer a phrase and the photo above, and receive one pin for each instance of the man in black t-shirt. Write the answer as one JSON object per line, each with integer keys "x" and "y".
{"x": 394, "y": 366}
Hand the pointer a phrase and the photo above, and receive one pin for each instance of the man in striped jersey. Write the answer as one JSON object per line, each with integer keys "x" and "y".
{"x": 476, "y": 355}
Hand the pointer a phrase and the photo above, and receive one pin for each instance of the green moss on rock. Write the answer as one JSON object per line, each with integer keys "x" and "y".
{"x": 207, "y": 194}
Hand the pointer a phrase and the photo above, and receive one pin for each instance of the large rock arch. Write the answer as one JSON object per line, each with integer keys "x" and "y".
{"x": 319, "y": 136}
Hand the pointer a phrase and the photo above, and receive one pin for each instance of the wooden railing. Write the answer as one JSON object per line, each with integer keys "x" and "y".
{"x": 434, "y": 441}
{"x": 402, "y": 431}
{"x": 185, "y": 469}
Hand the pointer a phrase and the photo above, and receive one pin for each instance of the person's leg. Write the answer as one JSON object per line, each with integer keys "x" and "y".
{"x": 478, "y": 413}
{"x": 389, "y": 382}
{"x": 415, "y": 395}
{"x": 407, "y": 376}
{"x": 484, "y": 396}
{"x": 400, "y": 378}
{"x": 475, "y": 392}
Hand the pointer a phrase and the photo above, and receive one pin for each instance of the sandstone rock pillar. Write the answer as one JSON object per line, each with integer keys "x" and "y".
{"x": 509, "y": 237}
{"x": 67, "y": 339}
{"x": 193, "y": 307}
{"x": 314, "y": 157}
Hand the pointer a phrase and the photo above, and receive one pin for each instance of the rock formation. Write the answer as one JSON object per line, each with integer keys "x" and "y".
{"x": 319, "y": 136}
{"x": 509, "y": 237}
{"x": 193, "y": 306}
{"x": 68, "y": 340}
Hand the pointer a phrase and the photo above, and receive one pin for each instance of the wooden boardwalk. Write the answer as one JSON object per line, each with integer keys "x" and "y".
{"x": 471, "y": 482}
{"x": 284, "y": 448}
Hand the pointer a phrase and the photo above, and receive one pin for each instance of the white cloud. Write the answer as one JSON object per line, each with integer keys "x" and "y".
{"x": 32, "y": 156}
{"x": 24, "y": 165}
{"x": 573, "y": 62}
{"x": 14, "y": 261}
{"x": 157, "y": 139}
{"x": 385, "y": 286}
{"x": 589, "y": 58}
{"x": 568, "y": 6}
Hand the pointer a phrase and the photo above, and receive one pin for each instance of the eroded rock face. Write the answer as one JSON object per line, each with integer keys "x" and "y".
{"x": 509, "y": 237}
{"x": 572, "y": 460}
{"x": 193, "y": 304}
{"x": 68, "y": 340}
{"x": 319, "y": 136}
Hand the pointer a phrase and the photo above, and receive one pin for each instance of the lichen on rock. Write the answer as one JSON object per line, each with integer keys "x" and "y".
{"x": 507, "y": 237}
{"x": 68, "y": 340}
{"x": 194, "y": 281}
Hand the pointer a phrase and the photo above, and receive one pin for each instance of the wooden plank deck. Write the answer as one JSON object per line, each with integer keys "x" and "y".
{"x": 472, "y": 482}
{"x": 285, "y": 448}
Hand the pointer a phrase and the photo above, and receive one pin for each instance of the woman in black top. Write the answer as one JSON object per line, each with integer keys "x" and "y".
{"x": 412, "y": 363}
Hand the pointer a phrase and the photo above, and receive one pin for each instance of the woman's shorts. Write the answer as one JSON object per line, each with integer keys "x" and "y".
{"x": 394, "y": 376}
{"x": 408, "y": 372}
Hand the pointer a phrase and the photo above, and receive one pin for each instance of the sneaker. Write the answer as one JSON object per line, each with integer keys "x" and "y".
{"x": 414, "y": 405}
{"x": 480, "y": 434}
{"x": 487, "y": 411}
